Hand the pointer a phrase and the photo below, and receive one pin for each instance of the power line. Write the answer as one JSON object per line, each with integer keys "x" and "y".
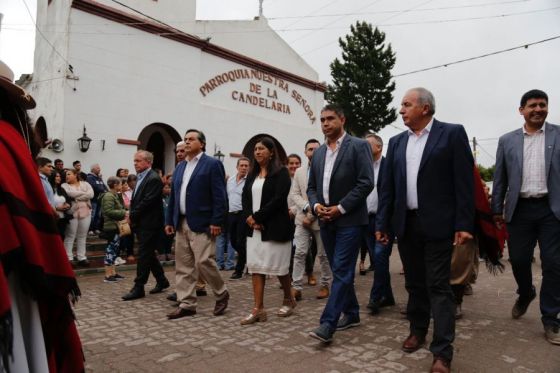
{"x": 393, "y": 16}
{"x": 43, "y": 35}
{"x": 478, "y": 57}
{"x": 485, "y": 151}
{"x": 397, "y": 11}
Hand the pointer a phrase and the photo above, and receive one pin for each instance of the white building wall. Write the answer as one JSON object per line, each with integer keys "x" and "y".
{"x": 256, "y": 39}
{"x": 129, "y": 79}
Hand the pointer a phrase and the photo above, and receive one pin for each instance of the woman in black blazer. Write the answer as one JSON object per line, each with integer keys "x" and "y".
{"x": 265, "y": 207}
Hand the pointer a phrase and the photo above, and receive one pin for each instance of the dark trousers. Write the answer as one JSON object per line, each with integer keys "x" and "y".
{"x": 533, "y": 222}
{"x": 380, "y": 255}
{"x": 341, "y": 246}
{"x": 127, "y": 245}
{"x": 311, "y": 255}
{"x": 427, "y": 266}
{"x": 148, "y": 241}
{"x": 237, "y": 230}
{"x": 95, "y": 215}
{"x": 368, "y": 240}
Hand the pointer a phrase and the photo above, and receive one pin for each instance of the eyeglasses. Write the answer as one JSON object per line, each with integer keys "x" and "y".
{"x": 330, "y": 118}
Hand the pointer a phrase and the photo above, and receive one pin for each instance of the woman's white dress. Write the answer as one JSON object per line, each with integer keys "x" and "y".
{"x": 266, "y": 257}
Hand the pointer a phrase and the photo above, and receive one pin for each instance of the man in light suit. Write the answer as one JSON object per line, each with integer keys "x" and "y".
{"x": 427, "y": 194}
{"x": 381, "y": 294}
{"x": 526, "y": 195}
{"x": 340, "y": 178}
{"x": 146, "y": 218}
{"x": 197, "y": 211}
{"x": 307, "y": 226}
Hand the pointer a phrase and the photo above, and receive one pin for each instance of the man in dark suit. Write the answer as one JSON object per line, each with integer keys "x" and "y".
{"x": 197, "y": 211}
{"x": 427, "y": 194}
{"x": 381, "y": 294}
{"x": 340, "y": 178}
{"x": 526, "y": 196}
{"x": 146, "y": 217}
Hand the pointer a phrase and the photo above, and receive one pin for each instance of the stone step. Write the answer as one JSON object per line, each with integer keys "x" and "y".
{"x": 96, "y": 266}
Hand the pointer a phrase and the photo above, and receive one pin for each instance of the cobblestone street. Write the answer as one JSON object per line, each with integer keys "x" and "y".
{"x": 135, "y": 336}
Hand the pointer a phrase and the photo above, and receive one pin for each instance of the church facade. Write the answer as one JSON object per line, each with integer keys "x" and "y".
{"x": 137, "y": 74}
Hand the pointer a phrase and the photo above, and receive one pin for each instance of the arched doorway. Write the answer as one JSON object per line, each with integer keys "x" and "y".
{"x": 248, "y": 148}
{"x": 41, "y": 131}
{"x": 160, "y": 139}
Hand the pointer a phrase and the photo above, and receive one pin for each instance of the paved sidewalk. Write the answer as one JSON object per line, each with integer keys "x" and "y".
{"x": 135, "y": 336}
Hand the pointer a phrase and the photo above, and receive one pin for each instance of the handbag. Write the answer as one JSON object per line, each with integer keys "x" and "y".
{"x": 124, "y": 228}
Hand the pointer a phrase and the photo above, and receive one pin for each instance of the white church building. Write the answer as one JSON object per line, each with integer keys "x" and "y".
{"x": 136, "y": 74}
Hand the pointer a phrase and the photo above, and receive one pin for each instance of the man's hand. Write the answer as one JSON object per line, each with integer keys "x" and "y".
{"x": 461, "y": 237}
{"x": 215, "y": 230}
{"x": 331, "y": 213}
{"x": 169, "y": 230}
{"x": 250, "y": 221}
{"x": 498, "y": 220}
{"x": 382, "y": 237}
{"x": 319, "y": 210}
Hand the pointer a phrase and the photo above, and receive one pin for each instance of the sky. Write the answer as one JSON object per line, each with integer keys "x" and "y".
{"x": 482, "y": 94}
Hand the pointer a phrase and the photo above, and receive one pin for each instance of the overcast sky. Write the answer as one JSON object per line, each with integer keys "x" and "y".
{"x": 483, "y": 94}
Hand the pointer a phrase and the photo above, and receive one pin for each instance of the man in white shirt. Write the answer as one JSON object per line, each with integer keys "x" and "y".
{"x": 236, "y": 224}
{"x": 526, "y": 196}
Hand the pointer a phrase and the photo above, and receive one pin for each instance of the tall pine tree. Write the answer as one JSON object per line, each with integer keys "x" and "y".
{"x": 361, "y": 83}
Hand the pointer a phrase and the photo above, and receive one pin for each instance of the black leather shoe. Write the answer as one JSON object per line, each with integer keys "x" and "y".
{"x": 201, "y": 292}
{"x": 172, "y": 297}
{"x": 375, "y": 306}
{"x": 134, "y": 293}
{"x": 160, "y": 286}
{"x": 521, "y": 305}
{"x": 236, "y": 276}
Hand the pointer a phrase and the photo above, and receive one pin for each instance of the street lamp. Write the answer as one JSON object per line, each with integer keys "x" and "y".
{"x": 84, "y": 141}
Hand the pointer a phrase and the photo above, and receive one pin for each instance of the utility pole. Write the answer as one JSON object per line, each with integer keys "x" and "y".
{"x": 474, "y": 149}
{"x": 260, "y": 8}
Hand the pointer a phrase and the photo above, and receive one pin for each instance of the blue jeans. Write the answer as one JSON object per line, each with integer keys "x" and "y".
{"x": 381, "y": 277}
{"x": 223, "y": 244}
{"x": 533, "y": 222}
{"x": 342, "y": 248}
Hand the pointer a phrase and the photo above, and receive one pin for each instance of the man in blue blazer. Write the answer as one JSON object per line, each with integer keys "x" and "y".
{"x": 427, "y": 197}
{"x": 197, "y": 211}
{"x": 526, "y": 195}
{"x": 340, "y": 178}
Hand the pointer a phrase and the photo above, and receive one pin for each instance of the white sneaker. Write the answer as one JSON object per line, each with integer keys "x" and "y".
{"x": 119, "y": 261}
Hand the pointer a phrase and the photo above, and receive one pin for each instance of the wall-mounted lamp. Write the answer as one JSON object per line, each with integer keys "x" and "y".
{"x": 84, "y": 141}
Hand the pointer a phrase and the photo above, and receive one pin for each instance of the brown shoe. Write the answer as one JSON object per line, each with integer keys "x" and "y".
{"x": 296, "y": 294}
{"x": 441, "y": 365}
{"x": 221, "y": 305}
{"x": 323, "y": 292}
{"x": 180, "y": 312}
{"x": 311, "y": 280}
{"x": 413, "y": 343}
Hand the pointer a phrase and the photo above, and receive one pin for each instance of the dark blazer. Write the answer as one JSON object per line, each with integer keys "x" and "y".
{"x": 351, "y": 181}
{"x": 146, "y": 209}
{"x": 509, "y": 171}
{"x": 273, "y": 211}
{"x": 445, "y": 184}
{"x": 206, "y": 200}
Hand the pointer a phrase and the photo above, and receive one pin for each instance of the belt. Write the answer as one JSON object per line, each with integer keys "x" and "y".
{"x": 412, "y": 212}
{"x": 534, "y": 199}
{"x": 235, "y": 212}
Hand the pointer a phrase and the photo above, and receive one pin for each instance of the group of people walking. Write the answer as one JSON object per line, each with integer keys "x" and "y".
{"x": 422, "y": 193}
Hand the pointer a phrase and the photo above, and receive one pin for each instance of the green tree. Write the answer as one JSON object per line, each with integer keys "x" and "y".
{"x": 361, "y": 82}
{"x": 486, "y": 173}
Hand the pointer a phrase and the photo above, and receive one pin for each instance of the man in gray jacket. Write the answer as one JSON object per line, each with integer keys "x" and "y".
{"x": 526, "y": 196}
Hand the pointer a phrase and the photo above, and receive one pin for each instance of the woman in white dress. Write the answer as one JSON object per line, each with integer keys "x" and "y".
{"x": 265, "y": 206}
